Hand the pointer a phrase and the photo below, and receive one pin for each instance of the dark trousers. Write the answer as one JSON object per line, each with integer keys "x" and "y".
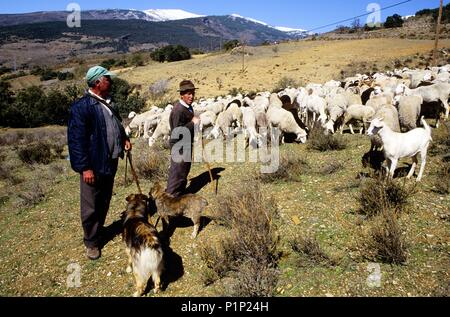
{"x": 178, "y": 174}
{"x": 94, "y": 203}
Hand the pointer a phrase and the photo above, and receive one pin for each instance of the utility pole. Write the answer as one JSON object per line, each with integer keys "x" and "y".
{"x": 438, "y": 31}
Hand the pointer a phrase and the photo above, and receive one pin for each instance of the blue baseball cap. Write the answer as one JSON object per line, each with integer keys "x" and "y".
{"x": 96, "y": 73}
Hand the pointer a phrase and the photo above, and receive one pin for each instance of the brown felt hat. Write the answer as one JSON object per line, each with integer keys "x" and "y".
{"x": 186, "y": 85}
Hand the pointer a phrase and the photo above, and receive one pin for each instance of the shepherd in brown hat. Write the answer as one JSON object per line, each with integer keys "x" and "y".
{"x": 182, "y": 116}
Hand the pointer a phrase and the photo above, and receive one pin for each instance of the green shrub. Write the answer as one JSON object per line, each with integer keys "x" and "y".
{"x": 48, "y": 74}
{"x": 123, "y": 98}
{"x": 322, "y": 142}
{"x": 394, "y": 21}
{"x": 39, "y": 153}
{"x": 171, "y": 53}
{"x": 109, "y": 63}
{"x": 228, "y": 46}
{"x": 387, "y": 242}
{"x": 284, "y": 83}
{"x": 379, "y": 194}
{"x": 65, "y": 76}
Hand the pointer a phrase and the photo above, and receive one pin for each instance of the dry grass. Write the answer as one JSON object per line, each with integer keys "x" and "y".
{"x": 378, "y": 194}
{"x": 303, "y": 61}
{"x": 322, "y": 142}
{"x": 290, "y": 170}
{"x": 310, "y": 252}
{"x": 386, "y": 238}
{"x": 151, "y": 163}
{"x": 442, "y": 182}
{"x": 249, "y": 254}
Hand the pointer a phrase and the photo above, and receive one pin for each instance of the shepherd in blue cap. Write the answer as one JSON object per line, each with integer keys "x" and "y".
{"x": 96, "y": 140}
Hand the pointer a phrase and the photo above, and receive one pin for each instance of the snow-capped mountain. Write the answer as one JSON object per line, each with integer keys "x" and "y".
{"x": 290, "y": 31}
{"x": 151, "y": 15}
{"x": 160, "y": 15}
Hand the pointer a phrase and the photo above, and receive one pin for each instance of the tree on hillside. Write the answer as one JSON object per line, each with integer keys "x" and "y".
{"x": 228, "y": 46}
{"x": 171, "y": 53}
{"x": 435, "y": 12}
{"x": 394, "y": 21}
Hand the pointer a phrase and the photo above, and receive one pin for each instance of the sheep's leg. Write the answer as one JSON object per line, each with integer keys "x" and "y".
{"x": 342, "y": 129}
{"x": 447, "y": 109}
{"x": 393, "y": 165}
{"x": 413, "y": 168}
{"x": 423, "y": 156}
{"x": 351, "y": 129}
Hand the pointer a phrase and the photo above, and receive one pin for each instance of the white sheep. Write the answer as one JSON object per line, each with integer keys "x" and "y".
{"x": 389, "y": 114}
{"x": 285, "y": 121}
{"x": 408, "y": 111}
{"x": 357, "y": 113}
{"x": 162, "y": 130}
{"x": 403, "y": 145}
{"x": 249, "y": 123}
{"x": 207, "y": 119}
{"x": 437, "y": 92}
{"x": 275, "y": 101}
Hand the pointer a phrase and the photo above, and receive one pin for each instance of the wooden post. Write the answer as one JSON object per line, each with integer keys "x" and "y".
{"x": 438, "y": 31}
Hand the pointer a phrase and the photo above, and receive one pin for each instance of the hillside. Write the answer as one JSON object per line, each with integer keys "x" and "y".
{"x": 422, "y": 27}
{"x": 47, "y": 42}
{"x": 303, "y": 61}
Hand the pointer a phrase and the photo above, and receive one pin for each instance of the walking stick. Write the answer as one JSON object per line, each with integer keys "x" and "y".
{"x": 208, "y": 165}
{"x": 126, "y": 171}
{"x": 134, "y": 172}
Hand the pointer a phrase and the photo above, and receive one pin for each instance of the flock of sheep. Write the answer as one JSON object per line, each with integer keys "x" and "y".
{"x": 389, "y": 106}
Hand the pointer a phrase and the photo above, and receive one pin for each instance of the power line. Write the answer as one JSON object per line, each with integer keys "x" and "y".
{"x": 360, "y": 16}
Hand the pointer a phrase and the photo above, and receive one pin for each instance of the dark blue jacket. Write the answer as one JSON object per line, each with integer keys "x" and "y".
{"x": 87, "y": 138}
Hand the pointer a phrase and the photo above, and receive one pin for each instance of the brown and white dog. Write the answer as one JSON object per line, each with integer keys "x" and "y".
{"x": 190, "y": 206}
{"x": 143, "y": 245}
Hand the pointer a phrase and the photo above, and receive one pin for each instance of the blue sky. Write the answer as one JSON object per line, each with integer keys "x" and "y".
{"x": 289, "y": 13}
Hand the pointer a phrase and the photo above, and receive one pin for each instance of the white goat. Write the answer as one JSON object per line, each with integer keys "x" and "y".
{"x": 403, "y": 145}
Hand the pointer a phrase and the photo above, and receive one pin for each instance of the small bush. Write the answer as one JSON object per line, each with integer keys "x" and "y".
{"x": 48, "y": 74}
{"x": 322, "y": 142}
{"x": 151, "y": 164}
{"x": 442, "y": 182}
{"x": 386, "y": 240}
{"x": 284, "y": 83}
{"x": 310, "y": 251}
{"x": 249, "y": 253}
{"x": 6, "y": 174}
{"x": 378, "y": 194}
{"x": 236, "y": 91}
{"x": 253, "y": 280}
{"x": 65, "y": 76}
{"x": 331, "y": 168}
{"x": 39, "y": 153}
{"x": 32, "y": 196}
{"x": 137, "y": 60}
{"x": 441, "y": 140}
{"x": 290, "y": 169}
{"x": 109, "y": 63}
